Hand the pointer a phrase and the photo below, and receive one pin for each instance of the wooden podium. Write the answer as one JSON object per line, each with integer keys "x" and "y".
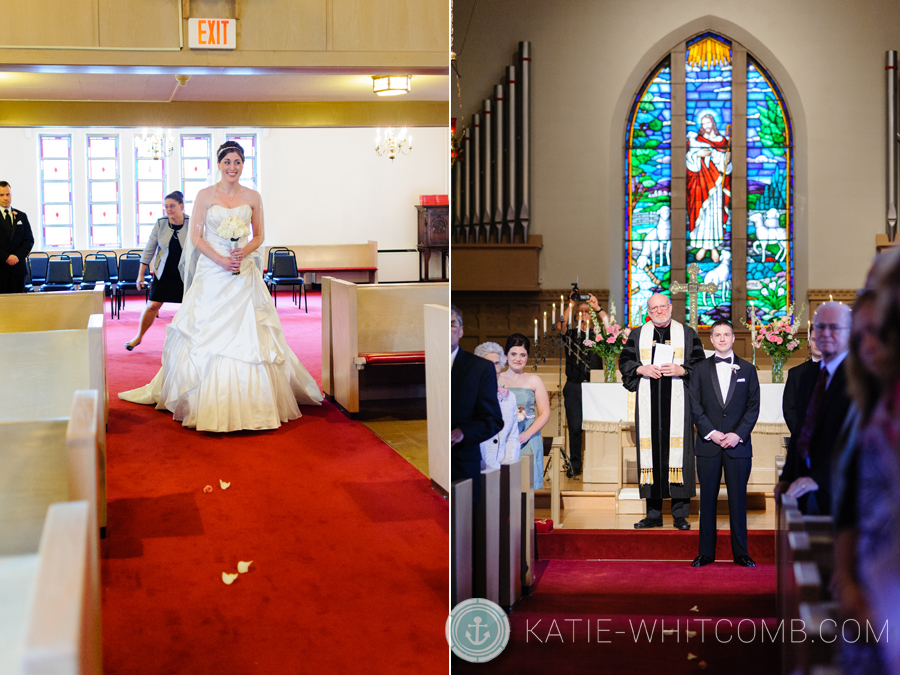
{"x": 434, "y": 235}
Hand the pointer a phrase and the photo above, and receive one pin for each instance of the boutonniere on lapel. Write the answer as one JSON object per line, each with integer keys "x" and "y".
{"x": 735, "y": 367}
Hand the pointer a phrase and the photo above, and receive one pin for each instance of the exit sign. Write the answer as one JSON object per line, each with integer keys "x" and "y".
{"x": 212, "y": 33}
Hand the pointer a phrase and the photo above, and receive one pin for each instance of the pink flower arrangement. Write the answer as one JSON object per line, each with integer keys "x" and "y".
{"x": 589, "y": 343}
{"x": 777, "y": 339}
{"x": 611, "y": 337}
{"x": 502, "y": 393}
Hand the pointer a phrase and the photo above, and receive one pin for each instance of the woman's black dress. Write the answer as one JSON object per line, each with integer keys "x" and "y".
{"x": 169, "y": 287}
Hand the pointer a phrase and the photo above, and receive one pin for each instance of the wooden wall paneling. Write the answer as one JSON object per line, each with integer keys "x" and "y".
{"x": 145, "y": 24}
{"x": 283, "y": 25}
{"x": 41, "y": 22}
{"x": 391, "y": 25}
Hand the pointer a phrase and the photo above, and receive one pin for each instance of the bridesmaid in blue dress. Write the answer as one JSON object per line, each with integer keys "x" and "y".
{"x": 531, "y": 399}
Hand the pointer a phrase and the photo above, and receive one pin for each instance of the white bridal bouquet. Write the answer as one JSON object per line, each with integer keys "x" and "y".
{"x": 234, "y": 228}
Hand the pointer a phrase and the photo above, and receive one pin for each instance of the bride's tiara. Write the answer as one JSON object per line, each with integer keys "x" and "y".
{"x": 229, "y": 146}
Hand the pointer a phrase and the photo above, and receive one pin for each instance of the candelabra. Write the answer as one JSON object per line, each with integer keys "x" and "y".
{"x": 393, "y": 144}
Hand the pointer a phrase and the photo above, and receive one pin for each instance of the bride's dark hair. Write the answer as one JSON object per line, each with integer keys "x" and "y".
{"x": 229, "y": 146}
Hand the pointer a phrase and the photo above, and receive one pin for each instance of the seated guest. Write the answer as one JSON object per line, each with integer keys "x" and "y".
{"x": 878, "y": 483}
{"x": 857, "y": 656}
{"x": 531, "y": 399}
{"x": 724, "y": 392}
{"x": 504, "y": 447}
{"x": 822, "y": 405}
{"x": 789, "y": 400}
{"x": 474, "y": 410}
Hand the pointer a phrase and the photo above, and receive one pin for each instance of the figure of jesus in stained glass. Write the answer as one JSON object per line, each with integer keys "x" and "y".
{"x": 708, "y": 187}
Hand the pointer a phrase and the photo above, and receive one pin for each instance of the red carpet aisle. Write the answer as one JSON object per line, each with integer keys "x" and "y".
{"x": 629, "y": 603}
{"x": 348, "y": 541}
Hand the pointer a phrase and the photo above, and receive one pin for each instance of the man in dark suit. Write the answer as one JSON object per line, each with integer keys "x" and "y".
{"x": 16, "y": 241}
{"x": 474, "y": 409}
{"x": 822, "y": 405}
{"x": 791, "y": 385}
{"x": 724, "y": 407}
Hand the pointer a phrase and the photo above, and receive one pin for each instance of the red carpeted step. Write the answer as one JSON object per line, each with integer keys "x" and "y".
{"x": 655, "y": 544}
{"x": 610, "y": 617}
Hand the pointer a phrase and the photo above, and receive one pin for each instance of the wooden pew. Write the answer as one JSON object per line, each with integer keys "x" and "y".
{"x": 44, "y": 369}
{"x": 805, "y": 562}
{"x": 461, "y": 537}
{"x": 486, "y": 540}
{"x": 356, "y": 263}
{"x": 62, "y": 310}
{"x": 528, "y": 532}
{"x": 510, "y": 521}
{"x": 43, "y": 462}
{"x": 375, "y": 340}
{"x": 50, "y": 595}
{"x": 437, "y": 388}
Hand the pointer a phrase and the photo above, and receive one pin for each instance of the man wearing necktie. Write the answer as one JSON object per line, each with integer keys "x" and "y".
{"x": 16, "y": 242}
{"x": 724, "y": 408}
{"x": 822, "y": 405}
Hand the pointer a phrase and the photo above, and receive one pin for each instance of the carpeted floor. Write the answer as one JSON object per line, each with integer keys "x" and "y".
{"x": 348, "y": 540}
{"x": 632, "y": 611}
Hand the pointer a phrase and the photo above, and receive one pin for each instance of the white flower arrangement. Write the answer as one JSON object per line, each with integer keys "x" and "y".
{"x": 233, "y": 228}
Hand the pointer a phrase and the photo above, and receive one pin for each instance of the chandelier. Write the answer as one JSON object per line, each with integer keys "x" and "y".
{"x": 392, "y": 144}
{"x": 157, "y": 144}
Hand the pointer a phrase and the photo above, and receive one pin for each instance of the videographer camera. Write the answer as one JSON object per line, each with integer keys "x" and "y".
{"x": 579, "y": 364}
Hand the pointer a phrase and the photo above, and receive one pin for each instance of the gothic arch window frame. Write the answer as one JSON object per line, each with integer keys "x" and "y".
{"x": 677, "y": 256}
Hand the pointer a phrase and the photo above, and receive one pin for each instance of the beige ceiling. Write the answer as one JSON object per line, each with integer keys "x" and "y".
{"x": 33, "y": 83}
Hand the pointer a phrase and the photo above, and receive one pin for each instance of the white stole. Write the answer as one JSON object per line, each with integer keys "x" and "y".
{"x": 645, "y": 412}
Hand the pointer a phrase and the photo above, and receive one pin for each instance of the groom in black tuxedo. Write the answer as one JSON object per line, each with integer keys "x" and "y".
{"x": 724, "y": 407}
{"x": 474, "y": 409}
{"x": 16, "y": 242}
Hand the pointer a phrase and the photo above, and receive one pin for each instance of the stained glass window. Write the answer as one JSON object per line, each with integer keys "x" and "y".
{"x": 703, "y": 204}
{"x": 103, "y": 191}
{"x": 56, "y": 191}
{"x": 150, "y": 189}
{"x": 708, "y": 120}
{"x": 648, "y": 210}
{"x": 195, "y": 166}
{"x": 769, "y": 197}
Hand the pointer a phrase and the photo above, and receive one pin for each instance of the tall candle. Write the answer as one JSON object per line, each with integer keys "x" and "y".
{"x": 545, "y": 323}
{"x": 554, "y": 314}
{"x": 570, "y": 314}
{"x": 535, "y": 331}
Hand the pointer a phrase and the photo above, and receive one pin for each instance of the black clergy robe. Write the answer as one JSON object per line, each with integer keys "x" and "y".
{"x": 661, "y": 402}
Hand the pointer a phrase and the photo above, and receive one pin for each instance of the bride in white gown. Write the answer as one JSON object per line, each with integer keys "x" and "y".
{"x": 226, "y": 364}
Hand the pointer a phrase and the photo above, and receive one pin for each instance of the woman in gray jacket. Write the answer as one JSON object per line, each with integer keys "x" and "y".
{"x": 162, "y": 255}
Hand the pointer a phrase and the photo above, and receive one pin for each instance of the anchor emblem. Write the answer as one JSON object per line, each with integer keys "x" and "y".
{"x": 477, "y": 626}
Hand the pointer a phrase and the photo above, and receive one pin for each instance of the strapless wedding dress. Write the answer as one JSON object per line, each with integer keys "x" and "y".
{"x": 226, "y": 364}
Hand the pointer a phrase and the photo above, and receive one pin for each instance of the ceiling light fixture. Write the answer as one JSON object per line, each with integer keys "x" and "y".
{"x": 390, "y": 85}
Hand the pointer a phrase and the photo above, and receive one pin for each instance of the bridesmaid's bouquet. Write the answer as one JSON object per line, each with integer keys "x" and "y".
{"x": 234, "y": 228}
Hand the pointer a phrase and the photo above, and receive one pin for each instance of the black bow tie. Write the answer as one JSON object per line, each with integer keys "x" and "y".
{"x": 719, "y": 359}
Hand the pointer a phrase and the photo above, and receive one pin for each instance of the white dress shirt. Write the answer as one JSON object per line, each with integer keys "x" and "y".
{"x": 832, "y": 366}
{"x": 723, "y": 370}
{"x": 453, "y": 356}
